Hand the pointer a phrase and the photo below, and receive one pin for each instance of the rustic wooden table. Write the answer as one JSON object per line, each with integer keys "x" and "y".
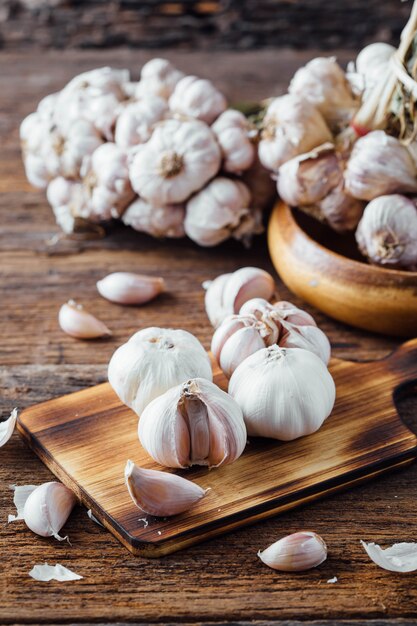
{"x": 220, "y": 580}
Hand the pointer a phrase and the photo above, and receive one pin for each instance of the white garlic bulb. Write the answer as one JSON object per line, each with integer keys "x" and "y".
{"x": 194, "y": 423}
{"x": 137, "y": 120}
{"x": 153, "y": 361}
{"x": 233, "y": 132}
{"x": 387, "y": 232}
{"x": 198, "y": 98}
{"x": 69, "y": 202}
{"x": 372, "y": 65}
{"x": 159, "y": 221}
{"x": 179, "y": 158}
{"x": 291, "y": 126}
{"x": 160, "y": 493}
{"x": 159, "y": 78}
{"x": 284, "y": 393}
{"x": 295, "y": 553}
{"x": 47, "y": 509}
{"x": 379, "y": 165}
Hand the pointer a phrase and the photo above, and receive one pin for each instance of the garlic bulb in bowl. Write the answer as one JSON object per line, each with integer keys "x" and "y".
{"x": 153, "y": 361}
{"x": 284, "y": 393}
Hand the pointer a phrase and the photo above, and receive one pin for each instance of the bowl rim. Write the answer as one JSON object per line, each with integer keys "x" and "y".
{"x": 404, "y": 274}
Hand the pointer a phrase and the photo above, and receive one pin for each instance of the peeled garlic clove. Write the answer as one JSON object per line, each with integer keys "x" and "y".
{"x": 295, "y": 553}
{"x": 160, "y": 493}
{"x": 238, "y": 347}
{"x": 75, "y": 321}
{"x": 401, "y": 557}
{"x": 48, "y": 508}
{"x": 284, "y": 393}
{"x": 308, "y": 337}
{"x": 7, "y": 427}
{"x": 129, "y": 288}
{"x": 195, "y": 423}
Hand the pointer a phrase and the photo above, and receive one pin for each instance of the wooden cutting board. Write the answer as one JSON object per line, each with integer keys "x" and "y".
{"x": 85, "y": 438}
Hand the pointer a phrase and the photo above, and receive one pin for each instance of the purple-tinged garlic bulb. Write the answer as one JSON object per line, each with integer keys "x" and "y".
{"x": 387, "y": 232}
{"x": 197, "y": 98}
{"x": 158, "y": 78}
{"x": 159, "y": 221}
{"x": 233, "y": 132}
{"x": 136, "y": 122}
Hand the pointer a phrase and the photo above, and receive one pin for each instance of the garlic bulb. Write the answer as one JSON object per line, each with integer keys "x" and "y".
{"x": 48, "y": 508}
{"x": 160, "y": 493}
{"x": 153, "y": 361}
{"x": 323, "y": 83}
{"x": 371, "y": 66}
{"x": 233, "y": 132}
{"x": 179, "y": 159}
{"x": 77, "y": 322}
{"x": 387, "y": 232}
{"x": 69, "y": 201}
{"x": 194, "y": 423}
{"x": 227, "y": 293}
{"x": 159, "y": 221}
{"x": 219, "y": 211}
{"x": 137, "y": 120}
{"x": 291, "y": 126}
{"x": 284, "y": 393}
{"x": 129, "y": 288}
{"x": 159, "y": 78}
{"x": 198, "y": 98}
{"x": 295, "y": 553}
{"x": 379, "y": 165}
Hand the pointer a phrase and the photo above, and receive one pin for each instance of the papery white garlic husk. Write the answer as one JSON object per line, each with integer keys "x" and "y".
{"x": 48, "y": 508}
{"x": 195, "y": 423}
{"x": 291, "y": 126}
{"x": 45, "y": 573}
{"x": 227, "y": 293}
{"x": 153, "y": 361}
{"x": 233, "y": 131}
{"x": 198, "y": 98}
{"x": 379, "y": 165}
{"x": 217, "y": 212}
{"x": 137, "y": 120}
{"x": 130, "y": 288}
{"x": 159, "y": 221}
{"x": 7, "y": 428}
{"x": 77, "y": 322}
{"x": 371, "y": 66}
{"x": 21, "y": 494}
{"x": 324, "y": 84}
{"x": 307, "y": 337}
{"x": 295, "y": 553}
{"x": 387, "y": 232}
{"x": 284, "y": 393}
{"x": 261, "y": 186}
{"x": 401, "y": 557}
{"x": 179, "y": 158}
{"x": 159, "y": 78}
{"x": 160, "y": 493}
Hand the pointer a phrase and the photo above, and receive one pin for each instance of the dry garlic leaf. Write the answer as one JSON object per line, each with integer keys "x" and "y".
{"x": 21, "y": 494}
{"x": 7, "y": 427}
{"x": 57, "y": 572}
{"x": 401, "y": 557}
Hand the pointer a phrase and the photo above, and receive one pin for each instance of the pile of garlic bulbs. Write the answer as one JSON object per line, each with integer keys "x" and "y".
{"x": 164, "y": 155}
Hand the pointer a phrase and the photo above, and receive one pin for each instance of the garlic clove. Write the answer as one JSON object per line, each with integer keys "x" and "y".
{"x": 213, "y": 299}
{"x": 257, "y": 307}
{"x": 48, "y": 508}
{"x": 308, "y": 337}
{"x": 77, "y": 322}
{"x": 238, "y": 347}
{"x": 295, "y": 553}
{"x": 401, "y": 557}
{"x": 293, "y": 314}
{"x": 227, "y": 328}
{"x": 7, "y": 427}
{"x": 129, "y": 288}
{"x": 245, "y": 284}
{"x": 160, "y": 493}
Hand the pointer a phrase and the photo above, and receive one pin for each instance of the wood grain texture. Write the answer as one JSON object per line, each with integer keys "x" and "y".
{"x": 72, "y": 435}
{"x": 220, "y": 580}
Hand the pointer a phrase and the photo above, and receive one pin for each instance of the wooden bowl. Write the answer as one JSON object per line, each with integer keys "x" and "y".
{"x": 326, "y": 270}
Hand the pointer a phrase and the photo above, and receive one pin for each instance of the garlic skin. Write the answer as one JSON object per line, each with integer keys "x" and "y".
{"x": 387, "y": 232}
{"x": 153, "y": 361}
{"x": 219, "y": 211}
{"x": 130, "y": 288}
{"x": 291, "y": 126}
{"x": 400, "y": 557}
{"x": 159, "y": 78}
{"x": 45, "y": 573}
{"x": 137, "y": 120}
{"x": 159, "y": 221}
{"x": 160, "y": 493}
{"x": 379, "y": 165}
{"x": 233, "y": 132}
{"x": 179, "y": 158}
{"x": 324, "y": 84}
{"x": 227, "y": 293}
{"x": 7, "y": 428}
{"x": 77, "y": 322}
{"x": 198, "y": 98}
{"x": 295, "y": 553}
{"x": 48, "y": 508}
{"x": 195, "y": 423}
{"x": 284, "y": 393}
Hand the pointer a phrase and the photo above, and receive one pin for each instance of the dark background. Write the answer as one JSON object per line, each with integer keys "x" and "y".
{"x": 199, "y": 24}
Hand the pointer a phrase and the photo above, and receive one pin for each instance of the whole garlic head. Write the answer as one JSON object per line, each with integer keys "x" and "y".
{"x": 159, "y": 221}
{"x": 379, "y": 165}
{"x": 198, "y": 98}
{"x": 291, "y": 126}
{"x": 179, "y": 158}
{"x": 159, "y": 78}
{"x": 137, "y": 120}
{"x": 387, "y": 232}
{"x": 194, "y": 423}
{"x": 371, "y": 65}
{"x": 233, "y": 132}
{"x": 153, "y": 361}
{"x": 284, "y": 393}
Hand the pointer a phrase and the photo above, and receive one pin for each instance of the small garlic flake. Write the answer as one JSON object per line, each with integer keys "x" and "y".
{"x": 45, "y": 573}
{"x": 7, "y": 427}
{"x": 21, "y": 494}
{"x": 77, "y": 322}
{"x": 93, "y": 518}
{"x": 145, "y": 521}
{"x": 401, "y": 557}
{"x": 332, "y": 580}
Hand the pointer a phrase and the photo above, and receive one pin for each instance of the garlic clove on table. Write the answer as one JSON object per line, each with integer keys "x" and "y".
{"x": 77, "y": 322}
{"x": 130, "y": 288}
{"x": 295, "y": 553}
{"x": 47, "y": 509}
